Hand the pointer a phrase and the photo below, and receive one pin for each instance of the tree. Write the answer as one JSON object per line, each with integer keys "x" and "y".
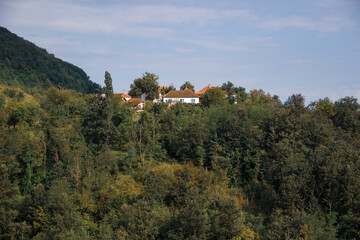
{"x": 98, "y": 127}
{"x": 214, "y": 96}
{"x": 230, "y": 90}
{"x": 241, "y": 94}
{"x": 147, "y": 84}
{"x": 165, "y": 90}
{"x": 191, "y": 143}
{"x": 192, "y": 222}
{"x": 259, "y": 97}
{"x": 323, "y": 106}
{"x": 109, "y": 92}
{"x": 347, "y": 114}
{"x": 187, "y": 85}
{"x": 7, "y": 197}
{"x": 63, "y": 219}
{"x": 295, "y": 101}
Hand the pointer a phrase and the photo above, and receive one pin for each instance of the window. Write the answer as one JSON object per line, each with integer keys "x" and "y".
{"x": 182, "y": 100}
{"x": 169, "y": 100}
{"x": 193, "y": 100}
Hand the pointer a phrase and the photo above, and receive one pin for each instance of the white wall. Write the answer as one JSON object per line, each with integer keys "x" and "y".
{"x": 186, "y": 100}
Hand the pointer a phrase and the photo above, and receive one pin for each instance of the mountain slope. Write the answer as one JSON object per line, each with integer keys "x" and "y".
{"x": 24, "y": 65}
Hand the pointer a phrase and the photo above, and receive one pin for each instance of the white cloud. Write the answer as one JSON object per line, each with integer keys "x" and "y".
{"x": 148, "y": 21}
{"x": 53, "y": 41}
{"x": 115, "y": 18}
{"x": 241, "y": 43}
{"x": 301, "y": 61}
{"x": 161, "y": 63}
{"x": 332, "y": 94}
{"x": 326, "y": 24}
{"x": 184, "y": 50}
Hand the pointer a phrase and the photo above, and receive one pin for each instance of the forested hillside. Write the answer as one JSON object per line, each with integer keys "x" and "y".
{"x": 90, "y": 167}
{"x": 24, "y": 65}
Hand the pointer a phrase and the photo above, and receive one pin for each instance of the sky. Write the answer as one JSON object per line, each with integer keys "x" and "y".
{"x": 310, "y": 47}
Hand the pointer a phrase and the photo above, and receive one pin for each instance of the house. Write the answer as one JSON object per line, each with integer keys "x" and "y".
{"x": 184, "y": 96}
{"x": 123, "y": 96}
{"x": 143, "y": 96}
{"x": 205, "y": 89}
{"x": 136, "y": 103}
{"x": 161, "y": 91}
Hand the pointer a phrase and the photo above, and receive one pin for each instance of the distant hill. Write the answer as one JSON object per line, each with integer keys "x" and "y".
{"x": 24, "y": 65}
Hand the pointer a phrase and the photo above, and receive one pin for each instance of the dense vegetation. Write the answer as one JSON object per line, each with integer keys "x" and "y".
{"x": 24, "y": 65}
{"x": 90, "y": 167}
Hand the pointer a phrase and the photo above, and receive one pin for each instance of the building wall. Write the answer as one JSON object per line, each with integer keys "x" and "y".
{"x": 185, "y": 100}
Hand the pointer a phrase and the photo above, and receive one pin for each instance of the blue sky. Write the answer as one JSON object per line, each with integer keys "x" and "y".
{"x": 310, "y": 47}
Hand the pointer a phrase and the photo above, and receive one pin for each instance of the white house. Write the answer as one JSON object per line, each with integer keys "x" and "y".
{"x": 123, "y": 96}
{"x": 136, "y": 103}
{"x": 184, "y": 96}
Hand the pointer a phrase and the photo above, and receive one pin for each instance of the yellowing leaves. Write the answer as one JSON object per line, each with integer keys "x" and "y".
{"x": 247, "y": 234}
{"x": 115, "y": 193}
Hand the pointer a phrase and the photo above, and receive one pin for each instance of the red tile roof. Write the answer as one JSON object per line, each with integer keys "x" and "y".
{"x": 123, "y": 95}
{"x": 204, "y": 90}
{"x": 162, "y": 88}
{"x": 135, "y": 101}
{"x": 186, "y": 93}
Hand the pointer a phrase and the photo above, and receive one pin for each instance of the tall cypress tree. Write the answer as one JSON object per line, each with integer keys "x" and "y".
{"x": 97, "y": 125}
{"x": 109, "y": 92}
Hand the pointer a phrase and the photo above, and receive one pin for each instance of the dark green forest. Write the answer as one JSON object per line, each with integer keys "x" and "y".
{"x": 24, "y": 65}
{"x": 76, "y": 166}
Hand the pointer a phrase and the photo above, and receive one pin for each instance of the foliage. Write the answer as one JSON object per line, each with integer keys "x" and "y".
{"x": 147, "y": 84}
{"x": 187, "y": 85}
{"x": 24, "y": 65}
{"x": 90, "y": 167}
{"x": 213, "y": 96}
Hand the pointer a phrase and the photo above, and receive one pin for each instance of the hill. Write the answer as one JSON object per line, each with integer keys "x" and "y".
{"x": 24, "y": 65}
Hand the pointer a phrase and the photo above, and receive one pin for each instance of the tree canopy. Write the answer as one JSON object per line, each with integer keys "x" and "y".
{"x": 187, "y": 85}
{"x": 75, "y": 166}
{"x": 147, "y": 84}
{"x": 214, "y": 96}
{"x": 24, "y": 65}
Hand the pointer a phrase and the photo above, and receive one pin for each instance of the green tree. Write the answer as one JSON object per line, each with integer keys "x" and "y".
{"x": 190, "y": 143}
{"x": 109, "y": 92}
{"x": 347, "y": 114}
{"x": 192, "y": 221}
{"x": 167, "y": 89}
{"x": 259, "y": 97}
{"x": 187, "y": 85}
{"x": 147, "y": 84}
{"x": 63, "y": 220}
{"x": 229, "y": 89}
{"x": 324, "y": 106}
{"x": 295, "y": 101}
{"x": 214, "y": 96}
{"x": 7, "y": 197}
{"x": 226, "y": 219}
{"x": 143, "y": 220}
{"x": 2, "y": 102}
{"x": 96, "y": 127}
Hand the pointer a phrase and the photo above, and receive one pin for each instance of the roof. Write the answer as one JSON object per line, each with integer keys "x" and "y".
{"x": 162, "y": 88}
{"x": 123, "y": 95}
{"x": 204, "y": 90}
{"x": 186, "y": 93}
{"x": 135, "y": 101}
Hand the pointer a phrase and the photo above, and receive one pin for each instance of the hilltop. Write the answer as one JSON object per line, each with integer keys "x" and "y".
{"x": 25, "y": 65}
